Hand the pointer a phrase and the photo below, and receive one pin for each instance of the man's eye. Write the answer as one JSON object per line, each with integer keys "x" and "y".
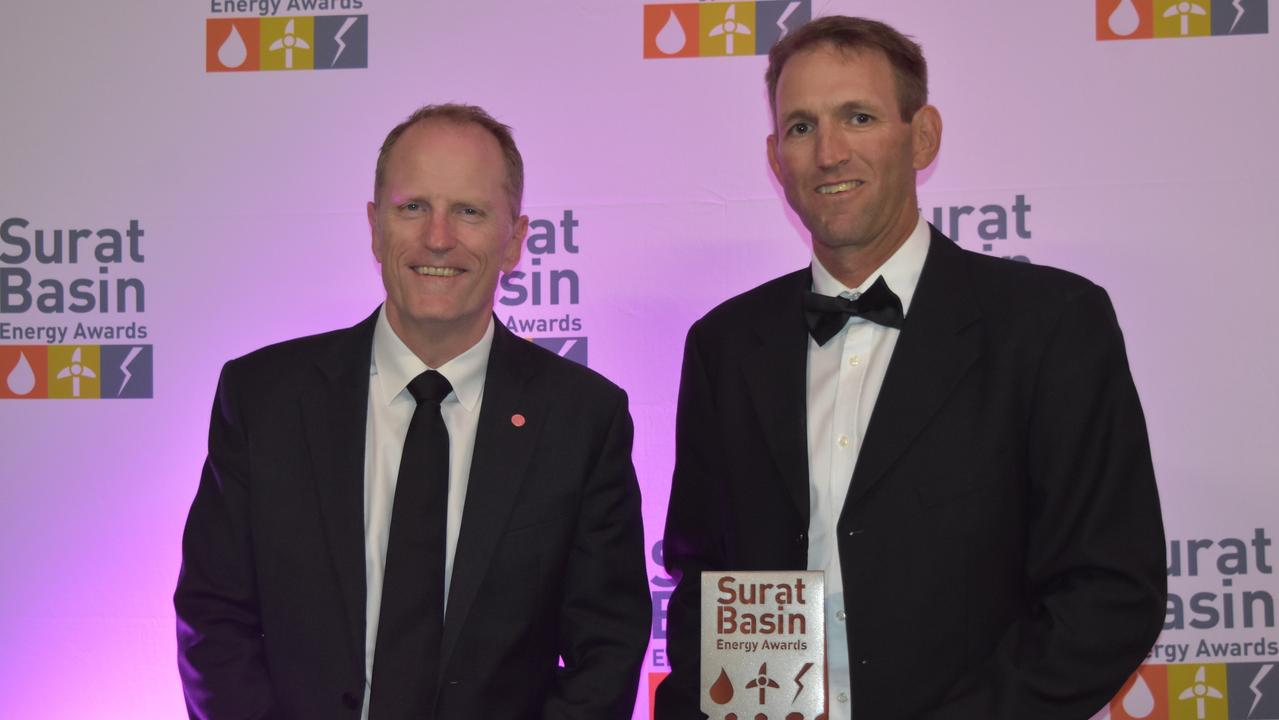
{"x": 801, "y": 128}
{"x": 861, "y": 119}
{"x": 411, "y": 207}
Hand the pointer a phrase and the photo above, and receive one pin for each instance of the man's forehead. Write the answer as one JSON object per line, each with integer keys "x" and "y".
{"x": 445, "y": 135}
{"x": 433, "y": 146}
{"x": 851, "y": 57}
{"x": 856, "y": 60}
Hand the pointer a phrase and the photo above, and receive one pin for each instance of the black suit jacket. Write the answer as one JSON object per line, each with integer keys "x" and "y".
{"x": 549, "y": 561}
{"x": 1001, "y": 544}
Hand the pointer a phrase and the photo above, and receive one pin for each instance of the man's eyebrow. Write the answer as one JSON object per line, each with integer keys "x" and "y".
{"x": 402, "y": 197}
{"x": 465, "y": 203}
{"x": 855, "y": 106}
{"x": 796, "y": 115}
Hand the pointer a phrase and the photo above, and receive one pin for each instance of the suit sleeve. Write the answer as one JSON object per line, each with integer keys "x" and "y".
{"x": 219, "y": 631}
{"x": 693, "y": 540}
{"x": 606, "y": 613}
{"x": 1095, "y": 544}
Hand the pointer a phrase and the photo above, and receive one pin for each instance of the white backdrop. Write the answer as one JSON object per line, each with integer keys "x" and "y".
{"x": 1148, "y": 165}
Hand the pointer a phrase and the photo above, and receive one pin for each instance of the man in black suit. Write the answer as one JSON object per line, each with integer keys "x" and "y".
{"x": 954, "y": 439}
{"x": 422, "y": 516}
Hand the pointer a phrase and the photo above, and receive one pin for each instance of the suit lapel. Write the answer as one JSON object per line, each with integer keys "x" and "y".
{"x": 775, "y": 375}
{"x": 334, "y": 415}
{"x": 931, "y": 356}
{"x": 502, "y": 452}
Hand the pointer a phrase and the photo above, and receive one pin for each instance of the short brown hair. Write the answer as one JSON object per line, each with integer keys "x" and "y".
{"x": 854, "y": 34}
{"x": 461, "y": 114}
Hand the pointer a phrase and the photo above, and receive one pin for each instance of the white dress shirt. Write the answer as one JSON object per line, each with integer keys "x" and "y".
{"x": 391, "y": 407}
{"x": 844, "y": 378}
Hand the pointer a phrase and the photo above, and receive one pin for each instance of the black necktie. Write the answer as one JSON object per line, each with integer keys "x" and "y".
{"x": 826, "y": 315}
{"x": 406, "y": 658}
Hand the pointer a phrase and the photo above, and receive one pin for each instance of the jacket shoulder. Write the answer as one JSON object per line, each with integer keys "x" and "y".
{"x": 567, "y": 376}
{"x": 760, "y": 301}
{"x": 1011, "y": 291}
{"x": 284, "y": 357}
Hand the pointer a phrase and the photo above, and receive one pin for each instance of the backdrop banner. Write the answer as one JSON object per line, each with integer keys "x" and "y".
{"x": 183, "y": 182}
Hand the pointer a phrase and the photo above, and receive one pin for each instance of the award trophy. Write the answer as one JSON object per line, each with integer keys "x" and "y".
{"x": 763, "y": 646}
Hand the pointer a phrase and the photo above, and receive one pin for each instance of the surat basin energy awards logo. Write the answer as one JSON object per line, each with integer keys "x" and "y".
{"x": 720, "y": 29}
{"x": 71, "y": 308}
{"x": 541, "y": 299}
{"x": 1145, "y": 19}
{"x": 1217, "y": 656}
{"x": 292, "y": 42}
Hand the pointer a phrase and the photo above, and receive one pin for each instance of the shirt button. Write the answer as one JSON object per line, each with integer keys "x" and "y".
{"x": 843, "y": 441}
{"x": 842, "y": 697}
{"x": 855, "y": 360}
{"x": 840, "y": 616}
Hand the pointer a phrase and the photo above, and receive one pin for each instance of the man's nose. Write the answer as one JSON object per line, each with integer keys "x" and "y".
{"x": 437, "y": 234}
{"x": 832, "y": 147}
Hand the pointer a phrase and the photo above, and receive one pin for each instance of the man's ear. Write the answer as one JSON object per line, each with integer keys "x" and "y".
{"x": 771, "y": 148}
{"x": 371, "y": 211}
{"x": 925, "y": 129}
{"x": 515, "y": 245}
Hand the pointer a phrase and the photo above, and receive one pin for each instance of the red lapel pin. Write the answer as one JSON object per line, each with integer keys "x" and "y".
{"x": 517, "y": 420}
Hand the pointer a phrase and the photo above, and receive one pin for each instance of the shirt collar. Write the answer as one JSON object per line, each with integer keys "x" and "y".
{"x": 901, "y": 270}
{"x": 394, "y": 365}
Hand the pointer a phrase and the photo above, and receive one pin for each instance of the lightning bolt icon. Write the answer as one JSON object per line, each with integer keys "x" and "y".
{"x": 806, "y": 668}
{"x": 1238, "y": 13}
{"x": 341, "y": 43}
{"x": 124, "y": 368}
{"x": 781, "y": 21}
{"x": 1265, "y": 669}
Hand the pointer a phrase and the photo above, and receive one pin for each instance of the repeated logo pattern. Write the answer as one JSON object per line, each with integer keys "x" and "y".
{"x": 720, "y": 29}
{"x": 323, "y": 42}
{"x": 1143, "y": 19}
{"x": 75, "y": 372}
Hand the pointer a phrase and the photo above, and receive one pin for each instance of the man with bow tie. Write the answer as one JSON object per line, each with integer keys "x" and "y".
{"x": 954, "y": 439}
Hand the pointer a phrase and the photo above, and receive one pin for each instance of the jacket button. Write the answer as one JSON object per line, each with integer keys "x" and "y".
{"x": 801, "y": 538}
{"x": 351, "y": 700}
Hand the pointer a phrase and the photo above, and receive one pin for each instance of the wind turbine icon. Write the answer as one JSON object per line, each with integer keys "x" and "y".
{"x": 1200, "y": 691}
{"x": 1185, "y": 10}
{"x": 763, "y": 682}
{"x": 729, "y": 28}
{"x": 288, "y": 42}
{"x": 75, "y": 371}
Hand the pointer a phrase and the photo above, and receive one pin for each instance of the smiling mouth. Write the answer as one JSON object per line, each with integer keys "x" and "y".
{"x": 434, "y": 271}
{"x": 836, "y": 188}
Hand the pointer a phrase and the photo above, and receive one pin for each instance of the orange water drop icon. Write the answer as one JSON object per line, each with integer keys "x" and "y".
{"x": 671, "y": 38}
{"x": 22, "y": 379}
{"x": 1139, "y": 702}
{"x": 722, "y": 689}
{"x": 1125, "y": 19}
{"x": 233, "y": 51}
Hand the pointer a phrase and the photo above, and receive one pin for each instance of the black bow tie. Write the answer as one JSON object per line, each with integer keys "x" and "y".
{"x": 826, "y": 315}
